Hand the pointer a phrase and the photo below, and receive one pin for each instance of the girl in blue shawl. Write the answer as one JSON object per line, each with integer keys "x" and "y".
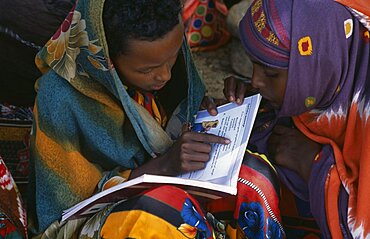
{"x": 118, "y": 86}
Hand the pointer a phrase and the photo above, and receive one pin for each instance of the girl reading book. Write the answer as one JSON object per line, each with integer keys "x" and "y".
{"x": 311, "y": 63}
{"x": 118, "y": 85}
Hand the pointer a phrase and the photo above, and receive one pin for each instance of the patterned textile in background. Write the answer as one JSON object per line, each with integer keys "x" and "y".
{"x": 12, "y": 213}
{"x": 15, "y": 127}
{"x": 205, "y": 24}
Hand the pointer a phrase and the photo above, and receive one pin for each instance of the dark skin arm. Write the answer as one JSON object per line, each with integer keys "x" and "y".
{"x": 190, "y": 152}
{"x": 290, "y": 148}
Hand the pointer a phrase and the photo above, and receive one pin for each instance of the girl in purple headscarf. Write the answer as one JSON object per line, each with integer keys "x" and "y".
{"x": 311, "y": 63}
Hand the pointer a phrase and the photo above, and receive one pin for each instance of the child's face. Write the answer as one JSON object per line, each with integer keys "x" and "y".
{"x": 271, "y": 82}
{"x": 147, "y": 64}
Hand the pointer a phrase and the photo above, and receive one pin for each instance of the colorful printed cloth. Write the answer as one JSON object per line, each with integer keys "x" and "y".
{"x": 167, "y": 211}
{"x": 205, "y": 24}
{"x": 15, "y": 128}
{"x": 254, "y": 212}
{"x": 151, "y": 103}
{"x": 162, "y": 212}
{"x": 328, "y": 74}
{"x": 13, "y": 220}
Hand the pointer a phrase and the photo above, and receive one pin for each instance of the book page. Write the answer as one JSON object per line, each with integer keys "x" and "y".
{"x": 234, "y": 122}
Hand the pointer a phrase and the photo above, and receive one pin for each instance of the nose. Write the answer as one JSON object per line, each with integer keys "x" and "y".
{"x": 164, "y": 73}
{"x": 256, "y": 82}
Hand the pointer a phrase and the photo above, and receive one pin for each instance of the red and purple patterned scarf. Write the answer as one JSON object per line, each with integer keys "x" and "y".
{"x": 326, "y": 51}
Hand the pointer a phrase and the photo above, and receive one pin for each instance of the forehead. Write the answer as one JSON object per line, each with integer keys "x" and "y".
{"x": 157, "y": 51}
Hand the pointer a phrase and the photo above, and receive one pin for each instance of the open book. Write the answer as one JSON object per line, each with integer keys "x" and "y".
{"x": 218, "y": 178}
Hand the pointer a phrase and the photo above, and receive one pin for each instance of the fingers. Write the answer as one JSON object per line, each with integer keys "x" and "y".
{"x": 230, "y": 88}
{"x": 188, "y": 166}
{"x": 235, "y": 89}
{"x": 209, "y": 104}
{"x": 220, "y": 101}
{"x": 186, "y": 127}
{"x": 205, "y": 138}
{"x": 240, "y": 92}
{"x": 196, "y": 147}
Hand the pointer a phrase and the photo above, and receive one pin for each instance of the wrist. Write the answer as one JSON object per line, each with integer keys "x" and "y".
{"x": 165, "y": 165}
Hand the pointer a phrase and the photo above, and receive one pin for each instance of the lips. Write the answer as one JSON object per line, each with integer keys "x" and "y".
{"x": 272, "y": 103}
{"x": 157, "y": 87}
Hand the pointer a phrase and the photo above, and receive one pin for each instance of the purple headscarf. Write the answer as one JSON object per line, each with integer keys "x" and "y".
{"x": 326, "y": 51}
{"x": 317, "y": 41}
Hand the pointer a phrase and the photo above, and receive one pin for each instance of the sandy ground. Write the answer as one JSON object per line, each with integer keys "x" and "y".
{"x": 213, "y": 67}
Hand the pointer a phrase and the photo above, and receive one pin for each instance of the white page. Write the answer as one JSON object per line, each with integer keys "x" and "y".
{"x": 234, "y": 122}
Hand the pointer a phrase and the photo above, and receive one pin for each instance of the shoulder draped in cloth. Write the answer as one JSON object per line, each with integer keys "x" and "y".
{"x": 87, "y": 128}
{"x": 326, "y": 51}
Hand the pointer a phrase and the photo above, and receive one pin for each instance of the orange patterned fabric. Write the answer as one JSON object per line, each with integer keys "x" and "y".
{"x": 206, "y": 26}
{"x": 13, "y": 220}
{"x": 359, "y": 5}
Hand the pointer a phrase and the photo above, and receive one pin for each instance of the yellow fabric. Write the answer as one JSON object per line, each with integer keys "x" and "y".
{"x": 231, "y": 232}
{"x": 138, "y": 224}
{"x": 125, "y": 174}
{"x": 10, "y": 133}
{"x": 156, "y": 112}
{"x": 77, "y": 164}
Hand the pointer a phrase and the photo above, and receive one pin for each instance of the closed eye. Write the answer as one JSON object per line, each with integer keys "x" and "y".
{"x": 146, "y": 71}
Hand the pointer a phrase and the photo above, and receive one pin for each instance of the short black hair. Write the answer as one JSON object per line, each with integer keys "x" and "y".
{"x": 148, "y": 20}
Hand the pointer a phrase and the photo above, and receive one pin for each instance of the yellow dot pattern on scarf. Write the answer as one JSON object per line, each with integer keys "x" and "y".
{"x": 206, "y": 31}
{"x": 310, "y": 101}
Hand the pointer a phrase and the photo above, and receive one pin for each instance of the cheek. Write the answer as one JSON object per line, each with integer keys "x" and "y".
{"x": 139, "y": 80}
{"x": 281, "y": 90}
{"x": 135, "y": 78}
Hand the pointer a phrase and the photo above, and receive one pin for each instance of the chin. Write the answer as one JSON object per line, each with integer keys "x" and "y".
{"x": 157, "y": 87}
{"x": 275, "y": 105}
